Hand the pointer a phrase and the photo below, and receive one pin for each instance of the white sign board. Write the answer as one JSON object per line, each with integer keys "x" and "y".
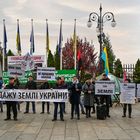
{"x": 128, "y": 91}
{"x": 44, "y": 73}
{"x": 138, "y": 90}
{"x": 104, "y": 88}
{"x": 50, "y": 95}
{"x": 15, "y": 71}
{"x": 19, "y": 59}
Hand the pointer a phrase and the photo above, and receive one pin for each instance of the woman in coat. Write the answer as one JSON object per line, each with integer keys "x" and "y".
{"x": 89, "y": 90}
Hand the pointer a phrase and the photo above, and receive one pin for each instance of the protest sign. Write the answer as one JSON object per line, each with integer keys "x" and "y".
{"x": 128, "y": 91}
{"x": 15, "y": 71}
{"x": 46, "y": 73}
{"x": 138, "y": 90}
{"x": 47, "y": 95}
{"x": 68, "y": 74}
{"x": 104, "y": 88}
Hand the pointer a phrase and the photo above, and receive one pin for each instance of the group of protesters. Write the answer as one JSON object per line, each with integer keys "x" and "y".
{"x": 75, "y": 88}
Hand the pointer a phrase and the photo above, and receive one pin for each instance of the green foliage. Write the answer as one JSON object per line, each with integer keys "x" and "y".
{"x": 111, "y": 56}
{"x": 50, "y": 59}
{"x": 118, "y": 71}
{"x": 57, "y": 59}
{"x": 137, "y": 72}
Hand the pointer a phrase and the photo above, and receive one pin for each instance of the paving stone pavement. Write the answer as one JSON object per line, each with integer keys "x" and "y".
{"x": 40, "y": 127}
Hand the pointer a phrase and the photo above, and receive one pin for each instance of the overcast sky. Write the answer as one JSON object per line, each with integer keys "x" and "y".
{"x": 125, "y": 37}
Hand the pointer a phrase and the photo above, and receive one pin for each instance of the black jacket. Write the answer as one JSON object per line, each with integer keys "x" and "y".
{"x": 45, "y": 86}
{"x": 31, "y": 85}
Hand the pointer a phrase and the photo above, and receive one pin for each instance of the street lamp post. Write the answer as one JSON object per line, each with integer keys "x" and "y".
{"x": 101, "y": 19}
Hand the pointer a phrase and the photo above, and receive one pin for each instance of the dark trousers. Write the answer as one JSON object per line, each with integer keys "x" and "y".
{"x": 88, "y": 110}
{"x": 73, "y": 107}
{"x": 1, "y": 106}
{"x": 106, "y": 99}
{"x": 33, "y": 106}
{"x": 12, "y": 105}
{"x": 56, "y": 104}
{"x": 43, "y": 106}
{"x": 18, "y": 106}
{"x": 129, "y": 109}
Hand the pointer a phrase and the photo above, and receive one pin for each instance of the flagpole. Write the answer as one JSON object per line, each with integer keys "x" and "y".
{"x": 31, "y": 41}
{"x": 46, "y": 45}
{"x": 61, "y": 47}
{"x": 3, "y": 64}
{"x": 75, "y": 46}
{"x": 19, "y": 52}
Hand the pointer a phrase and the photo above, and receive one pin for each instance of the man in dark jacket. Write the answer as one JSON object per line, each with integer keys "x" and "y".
{"x": 58, "y": 86}
{"x": 30, "y": 85}
{"x": 106, "y": 98}
{"x": 45, "y": 85}
{"x": 75, "y": 91}
{"x": 11, "y": 104}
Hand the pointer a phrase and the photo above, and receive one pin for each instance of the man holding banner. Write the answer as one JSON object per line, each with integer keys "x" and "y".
{"x": 30, "y": 85}
{"x": 11, "y": 104}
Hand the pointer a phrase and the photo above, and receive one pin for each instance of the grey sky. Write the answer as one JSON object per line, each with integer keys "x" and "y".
{"x": 124, "y": 37}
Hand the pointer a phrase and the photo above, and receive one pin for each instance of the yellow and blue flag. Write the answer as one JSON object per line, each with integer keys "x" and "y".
{"x": 104, "y": 57}
{"x": 32, "y": 44}
{"x": 18, "y": 43}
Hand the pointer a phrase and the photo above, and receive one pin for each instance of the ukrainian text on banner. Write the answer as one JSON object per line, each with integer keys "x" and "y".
{"x": 104, "y": 88}
{"x": 138, "y": 90}
{"x": 128, "y": 91}
{"x": 50, "y": 95}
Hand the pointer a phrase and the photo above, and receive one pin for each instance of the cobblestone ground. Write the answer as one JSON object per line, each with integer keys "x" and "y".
{"x": 40, "y": 127}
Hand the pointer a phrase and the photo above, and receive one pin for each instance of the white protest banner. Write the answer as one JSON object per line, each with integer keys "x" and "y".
{"x": 15, "y": 71}
{"x": 128, "y": 91}
{"x": 138, "y": 90}
{"x": 44, "y": 73}
{"x": 47, "y": 95}
{"x": 104, "y": 88}
{"x": 19, "y": 59}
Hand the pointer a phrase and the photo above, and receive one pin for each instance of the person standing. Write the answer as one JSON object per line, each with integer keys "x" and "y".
{"x": 30, "y": 85}
{"x": 11, "y": 104}
{"x": 60, "y": 104}
{"x": 106, "y": 98}
{"x": 125, "y": 105}
{"x": 1, "y": 103}
{"x": 75, "y": 92}
{"x": 45, "y": 85}
{"x": 89, "y": 91}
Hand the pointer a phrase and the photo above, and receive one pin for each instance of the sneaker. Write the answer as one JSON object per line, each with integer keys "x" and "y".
{"x": 54, "y": 120}
{"x": 42, "y": 113}
{"x": 124, "y": 116}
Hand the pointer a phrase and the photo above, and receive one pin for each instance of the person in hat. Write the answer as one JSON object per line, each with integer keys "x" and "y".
{"x": 11, "y": 104}
{"x": 89, "y": 91}
{"x": 30, "y": 85}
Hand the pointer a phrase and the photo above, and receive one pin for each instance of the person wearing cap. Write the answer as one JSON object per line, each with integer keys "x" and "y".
{"x": 106, "y": 98}
{"x": 89, "y": 90}
{"x": 60, "y": 104}
{"x": 30, "y": 85}
{"x": 45, "y": 85}
{"x": 11, "y": 104}
{"x": 125, "y": 105}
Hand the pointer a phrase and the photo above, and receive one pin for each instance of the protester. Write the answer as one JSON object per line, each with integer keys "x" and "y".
{"x": 75, "y": 91}
{"x": 30, "y": 85}
{"x": 106, "y": 98}
{"x": 125, "y": 105}
{"x": 17, "y": 84}
{"x": 89, "y": 91}
{"x": 65, "y": 86}
{"x": 60, "y": 104}
{"x": 11, "y": 104}
{"x": 1, "y": 103}
{"x": 45, "y": 85}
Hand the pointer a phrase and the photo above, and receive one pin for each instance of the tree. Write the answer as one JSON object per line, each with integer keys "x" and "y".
{"x": 111, "y": 56}
{"x": 137, "y": 72}
{"x": 118, "y": 68}
{"x": 88, "y": 55}
{"x": 57, "y": 59}
{"x": 50, "y": 59}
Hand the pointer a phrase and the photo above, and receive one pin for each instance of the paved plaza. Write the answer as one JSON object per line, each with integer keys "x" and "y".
{"x": 40, "y": 126}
